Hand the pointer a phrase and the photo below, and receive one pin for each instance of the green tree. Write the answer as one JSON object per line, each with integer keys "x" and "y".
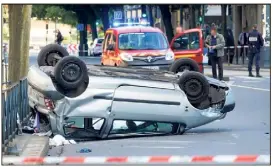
{"x": 53, "y": 12}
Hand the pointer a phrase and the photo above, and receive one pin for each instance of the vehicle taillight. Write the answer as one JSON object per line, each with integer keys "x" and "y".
{"x": 98, "y": 44}
{"x": 49, "y": 103}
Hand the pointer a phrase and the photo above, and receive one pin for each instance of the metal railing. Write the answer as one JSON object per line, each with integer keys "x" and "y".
{"x": 15, "y": 108}
{"x": 238, "y": 55}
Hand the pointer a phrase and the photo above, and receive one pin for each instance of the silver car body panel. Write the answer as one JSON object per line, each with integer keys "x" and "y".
{"x": 123, "y": 96}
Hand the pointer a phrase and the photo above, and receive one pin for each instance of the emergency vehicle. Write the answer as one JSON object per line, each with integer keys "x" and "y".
{"x": 190, "y": 44}
{"x": 148, "y": 47}
{"x": 136, "y": 45}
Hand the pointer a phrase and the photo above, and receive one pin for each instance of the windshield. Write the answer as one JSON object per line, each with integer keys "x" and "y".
{"x": 142, "y": 41}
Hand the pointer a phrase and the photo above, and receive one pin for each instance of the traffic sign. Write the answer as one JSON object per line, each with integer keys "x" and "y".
{"x": 80, "y": 27}
{"x": 117, "y": 15}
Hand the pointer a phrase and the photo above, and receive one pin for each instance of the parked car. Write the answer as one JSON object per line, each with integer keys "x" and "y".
{"x": 96, "y": 47}
{"x": 149, "y": 102}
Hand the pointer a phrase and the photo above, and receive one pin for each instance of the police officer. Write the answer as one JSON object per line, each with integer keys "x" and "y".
{"x": 255, "y": 42}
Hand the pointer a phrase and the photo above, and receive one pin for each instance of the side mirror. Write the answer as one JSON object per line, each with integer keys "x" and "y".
{"x": 176, "y": 45}
{"x": 111, "y": 47}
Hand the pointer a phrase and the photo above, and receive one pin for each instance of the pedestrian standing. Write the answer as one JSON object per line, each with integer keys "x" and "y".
{"x": 229, "y": 38}
{"x": 216, "y": 43}
{"x": 255, "y": 42}
{"x": 60, "y": 37}
{"x": 243, "y": 41}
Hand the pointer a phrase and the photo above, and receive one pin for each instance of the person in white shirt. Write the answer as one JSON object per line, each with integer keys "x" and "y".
{"x": 243, "y": 41}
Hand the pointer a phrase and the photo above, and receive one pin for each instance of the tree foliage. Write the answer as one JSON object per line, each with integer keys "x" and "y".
{"x": 53, "y": 12}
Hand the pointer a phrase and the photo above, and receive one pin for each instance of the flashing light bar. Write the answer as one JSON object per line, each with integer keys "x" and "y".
{"x": 131, "y": 24}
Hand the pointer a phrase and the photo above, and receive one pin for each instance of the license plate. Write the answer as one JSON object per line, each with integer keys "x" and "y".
{"x": 152, "y": 67}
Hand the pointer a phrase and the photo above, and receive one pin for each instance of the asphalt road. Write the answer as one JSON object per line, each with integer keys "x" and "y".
{"x": 246, "y": 130}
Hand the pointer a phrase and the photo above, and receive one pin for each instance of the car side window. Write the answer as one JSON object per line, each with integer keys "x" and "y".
{"x": 189, "y": 41}
{"x": 114, "y": 39}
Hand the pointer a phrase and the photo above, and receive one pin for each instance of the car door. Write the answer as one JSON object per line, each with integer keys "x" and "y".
{"x": 147, "y": 104}
{"x": 111, "y": 53}
{"x": 189, "y": 44}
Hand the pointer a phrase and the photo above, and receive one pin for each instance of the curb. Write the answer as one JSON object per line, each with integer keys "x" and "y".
{"x": 219, "y": 159}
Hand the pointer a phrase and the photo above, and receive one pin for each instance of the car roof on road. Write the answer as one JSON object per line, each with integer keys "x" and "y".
{"x": 134, "y": 29}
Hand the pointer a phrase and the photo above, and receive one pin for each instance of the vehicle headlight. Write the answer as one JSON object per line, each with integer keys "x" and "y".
{"x": 126, "y": 57}
{"x": 169, "y": 55}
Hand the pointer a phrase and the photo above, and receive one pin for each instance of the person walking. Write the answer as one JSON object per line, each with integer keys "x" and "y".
{"x": 243, "y": 41}
{"x": 216, "y": 43}
{"x": 255, "y": 42}
{"x": 59, "y": 37}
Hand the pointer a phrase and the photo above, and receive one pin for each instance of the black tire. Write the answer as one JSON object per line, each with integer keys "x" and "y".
{"x": 184, "y": 63}
{"x": 70, "y": 72}
{"x": 195, "y": 85}
{"x": 45, "y": 56}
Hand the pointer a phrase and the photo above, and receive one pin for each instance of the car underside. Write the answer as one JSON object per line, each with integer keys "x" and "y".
{"x": 108, "y": 98}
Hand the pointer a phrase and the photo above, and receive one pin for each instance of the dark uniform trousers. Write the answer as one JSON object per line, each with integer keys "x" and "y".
{"x": 215, "y": 60}
{"x": 251, "y": 57}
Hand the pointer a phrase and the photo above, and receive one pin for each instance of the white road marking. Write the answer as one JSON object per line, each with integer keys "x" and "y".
{"x": 160, "y": 147}
{"x": 235, "y": 136}
{"x": 230, "y": 83}
{"x": 249, "y": 78}
{"x": 251, "y": 81}
{"x": 247, "y": 87}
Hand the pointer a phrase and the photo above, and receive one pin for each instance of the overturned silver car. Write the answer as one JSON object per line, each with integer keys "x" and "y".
{"x": 87, "y": 101}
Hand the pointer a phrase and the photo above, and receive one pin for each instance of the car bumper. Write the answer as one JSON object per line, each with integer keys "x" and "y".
{"x": 159, "y": 64}
{"x": 230, "y": 102}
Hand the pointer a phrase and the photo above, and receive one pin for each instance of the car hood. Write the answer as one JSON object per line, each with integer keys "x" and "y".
{"x": 146, "y": 52}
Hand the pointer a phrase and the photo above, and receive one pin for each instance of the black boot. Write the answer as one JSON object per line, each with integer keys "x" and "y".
{"x": 258, "y": 74}
{"x": 250, "y": 74}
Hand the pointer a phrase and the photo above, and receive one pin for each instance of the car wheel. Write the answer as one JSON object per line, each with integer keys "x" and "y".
{"x": 51, "y": 54}
{"x": 195, "y": 85}
{"x": 70, "y": 72}
{"x": 184, "y": 64}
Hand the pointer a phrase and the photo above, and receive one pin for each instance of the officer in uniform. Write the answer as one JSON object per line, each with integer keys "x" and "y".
{"x": 255, "y": 42}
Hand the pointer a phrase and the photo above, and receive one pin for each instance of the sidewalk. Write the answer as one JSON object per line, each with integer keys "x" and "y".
{"x": 233, "y": 67}
{"x": 27, "y": 145}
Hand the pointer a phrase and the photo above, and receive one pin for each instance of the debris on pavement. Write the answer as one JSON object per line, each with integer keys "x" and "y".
{"x": 84, "y": 150}
{"x": 59, "y": 140}
{"x": 37, "y": 125}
